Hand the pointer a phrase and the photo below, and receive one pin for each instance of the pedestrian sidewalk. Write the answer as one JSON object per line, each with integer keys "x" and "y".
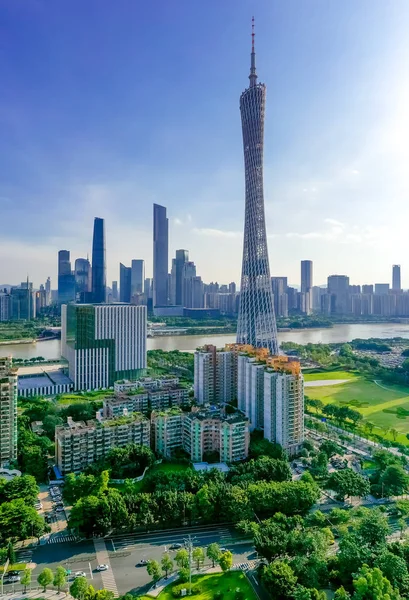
{"x": 48, "y": 595}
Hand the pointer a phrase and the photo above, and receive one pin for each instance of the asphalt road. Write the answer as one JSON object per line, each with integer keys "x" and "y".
{"x": 125, "y": 553}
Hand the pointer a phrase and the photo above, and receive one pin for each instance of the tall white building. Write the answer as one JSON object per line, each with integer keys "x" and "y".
{"x": 103, "y": 343}
{"x": 284, "y": 407}
{"x": 215, "y": 378}
{"x": 8, "y": 411}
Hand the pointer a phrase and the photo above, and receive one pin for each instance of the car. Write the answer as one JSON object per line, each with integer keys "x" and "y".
{"x": 224, "y": 550}
{"x": 14, "y": 573}
{"x": 142, "y": 562}
{"x": 175, "y": 546}
{"x": 102, "y": 568}
{"x": 80, "y": 574}
{"x": 12, "y": 578}
{"x": 59, "y": 509}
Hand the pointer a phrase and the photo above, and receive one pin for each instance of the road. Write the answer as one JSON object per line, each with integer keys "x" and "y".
{"x": 125, "y": 552}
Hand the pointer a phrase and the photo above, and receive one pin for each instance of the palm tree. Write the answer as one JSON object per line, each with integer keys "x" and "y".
{"x": 394, "y": 433}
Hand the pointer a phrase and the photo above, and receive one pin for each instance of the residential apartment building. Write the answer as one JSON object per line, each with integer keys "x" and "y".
{"x": 167, "y": 431}
{"x": 103, "y": 343}
{"x": 215, "y": 373}
{"x": 79, "y": 444}
{"x": 284, "y": 404}
{"x": 147, "y": 383}
{"x": 201, "y": 431}
{"x": 8, "y": 411}
{"x": 208, "y": 431}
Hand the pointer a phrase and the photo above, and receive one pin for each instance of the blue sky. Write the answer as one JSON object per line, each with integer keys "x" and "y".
{"x": 107, "y": 107}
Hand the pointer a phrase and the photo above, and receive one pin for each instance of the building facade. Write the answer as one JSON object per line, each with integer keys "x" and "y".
{"x": 160, "y": 256}
{"x": 396, "y": 280}
{"x": 79, "y": 444}
{"x": 137, "y": 277}
{"x": 8, "y": 411}
{"x": 200, "y": 432}
{"x": 66, "y": 279}
{"x": 98, "y": 262}
{"x": 103, "y": 343}
{"x": 125, "y": 274}
{"x": 83, "y": 281}
{"x": 284, "y": 406}
{"x": 256, "y": 323}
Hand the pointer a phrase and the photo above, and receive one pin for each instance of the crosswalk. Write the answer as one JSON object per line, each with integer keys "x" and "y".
{"x": 61, "y": 538}
{"x": 108, "y": 579}
{"x": 246, "y": 566}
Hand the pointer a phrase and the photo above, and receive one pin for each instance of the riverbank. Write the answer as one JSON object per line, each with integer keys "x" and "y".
{"x": 12, "y": 342}
{"x": 51, "y": 349}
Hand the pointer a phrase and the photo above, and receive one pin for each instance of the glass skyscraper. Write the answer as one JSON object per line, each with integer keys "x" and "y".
{"x": 98, "y": 262}
{"x": 256, "y": 321}
{"x": 160, "y": 255}
{"x": 66, "y": 279}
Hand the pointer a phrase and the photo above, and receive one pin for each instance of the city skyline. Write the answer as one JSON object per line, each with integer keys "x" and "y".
{"x": 335, "y": 137}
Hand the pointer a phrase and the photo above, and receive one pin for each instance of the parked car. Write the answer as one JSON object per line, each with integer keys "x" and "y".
{"x": 80, "y": 574}
{"x": 59, "y": 509}
{"x": 102, "y": 568}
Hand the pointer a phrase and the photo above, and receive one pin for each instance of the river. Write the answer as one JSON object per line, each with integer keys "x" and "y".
{"x": 339, "y": 333}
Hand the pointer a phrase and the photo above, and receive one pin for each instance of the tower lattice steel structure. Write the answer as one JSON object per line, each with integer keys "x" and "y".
{"x": 256, "y": 322}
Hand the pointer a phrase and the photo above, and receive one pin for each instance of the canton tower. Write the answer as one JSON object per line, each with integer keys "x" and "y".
{"x": 256, "y": 323}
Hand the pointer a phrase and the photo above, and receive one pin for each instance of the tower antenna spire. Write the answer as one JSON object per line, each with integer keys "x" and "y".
{"x": 253, "y": 74}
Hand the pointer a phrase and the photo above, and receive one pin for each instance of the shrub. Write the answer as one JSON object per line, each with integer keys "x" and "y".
{"x": 218, "y": 595}
{"x": 177, "y": 589}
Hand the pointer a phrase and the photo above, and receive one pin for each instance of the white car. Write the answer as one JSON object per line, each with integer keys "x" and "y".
{"x": 80, "y": 574}
{"x": 102, "y": 568}
{"x": 59, "y": 509}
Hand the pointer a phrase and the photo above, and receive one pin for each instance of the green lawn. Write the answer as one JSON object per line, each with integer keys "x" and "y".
{"x": 384, "y": 406}
{"x": 227, "y": 583}
{"x": 330, "y": 375}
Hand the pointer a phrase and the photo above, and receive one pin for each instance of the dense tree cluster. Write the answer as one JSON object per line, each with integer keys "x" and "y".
{"x": 18, "y": 517}
{"x": 186, "y": 497}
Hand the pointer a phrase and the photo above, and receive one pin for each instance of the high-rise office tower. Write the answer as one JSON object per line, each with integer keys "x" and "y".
{"x": 256, "y": 323}
{"x": 83, "y": 280}
{"x": 160, "y": 255}
{"x": 396, "y": 282}
{"x": 148, "y": 287}
{"x": 66, "y": 280}
{"x": 115, "y": 291}
{"x": 137, "y": 276}
{"x": 338, "y": 290}
{"x": 306, "y": 276}
{"x": 48, "y": 291}
{"x": 8, "y": 411}
{"x": 124, "y": 283}
{"x": 103, "y": 343}
{"x": 182, "y": 257}
{"x": 22, "y": 302}
{"x": 98, "y": 262}
{"x": 188, "y": 274}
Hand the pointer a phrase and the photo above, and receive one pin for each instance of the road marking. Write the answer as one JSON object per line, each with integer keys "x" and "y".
{"x": 108, "y": 579}
{"x": 90, "y": 570}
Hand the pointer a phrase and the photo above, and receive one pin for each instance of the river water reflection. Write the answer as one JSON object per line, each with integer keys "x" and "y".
{"x": 188, "y": 343}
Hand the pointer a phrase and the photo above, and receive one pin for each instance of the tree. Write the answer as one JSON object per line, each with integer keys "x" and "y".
{"x": 370, "y": 584}
{"x": 213, "y": 552}
{"x": 78, "y": 588}
{"x": 394, "y": 480}
{"x": 394, "y": 568}
{"x": 198, "y": 556}
{"x": 104, "y": 595}
{"x": 167, "y": 564}
{"x": 373, "y": 528}
{"x": 330, "y": 448}
{"x": 402, "y": 526}
{"x": 60, "y": 578}
{"x": 342, "y": 594}
{"x": 26, "y": 579}
{"x": 182, "y": 558}
{"x": 279, "y": 579}
{"x": 394, "y": 433}
{"x": 226, "y": 561}
{"x": 11, "y": 555}
{"x": 348, "y": 483}
{"x": 154, "y": 571}
{"x": 45, "y": 578}
{"x": 319, "y": 465}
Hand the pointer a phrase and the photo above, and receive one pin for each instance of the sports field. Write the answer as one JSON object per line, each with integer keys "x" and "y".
{"x": 387, "y": 406}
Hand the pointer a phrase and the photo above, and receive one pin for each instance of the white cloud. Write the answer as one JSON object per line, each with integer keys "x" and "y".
{"x": 218, "y": 233}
